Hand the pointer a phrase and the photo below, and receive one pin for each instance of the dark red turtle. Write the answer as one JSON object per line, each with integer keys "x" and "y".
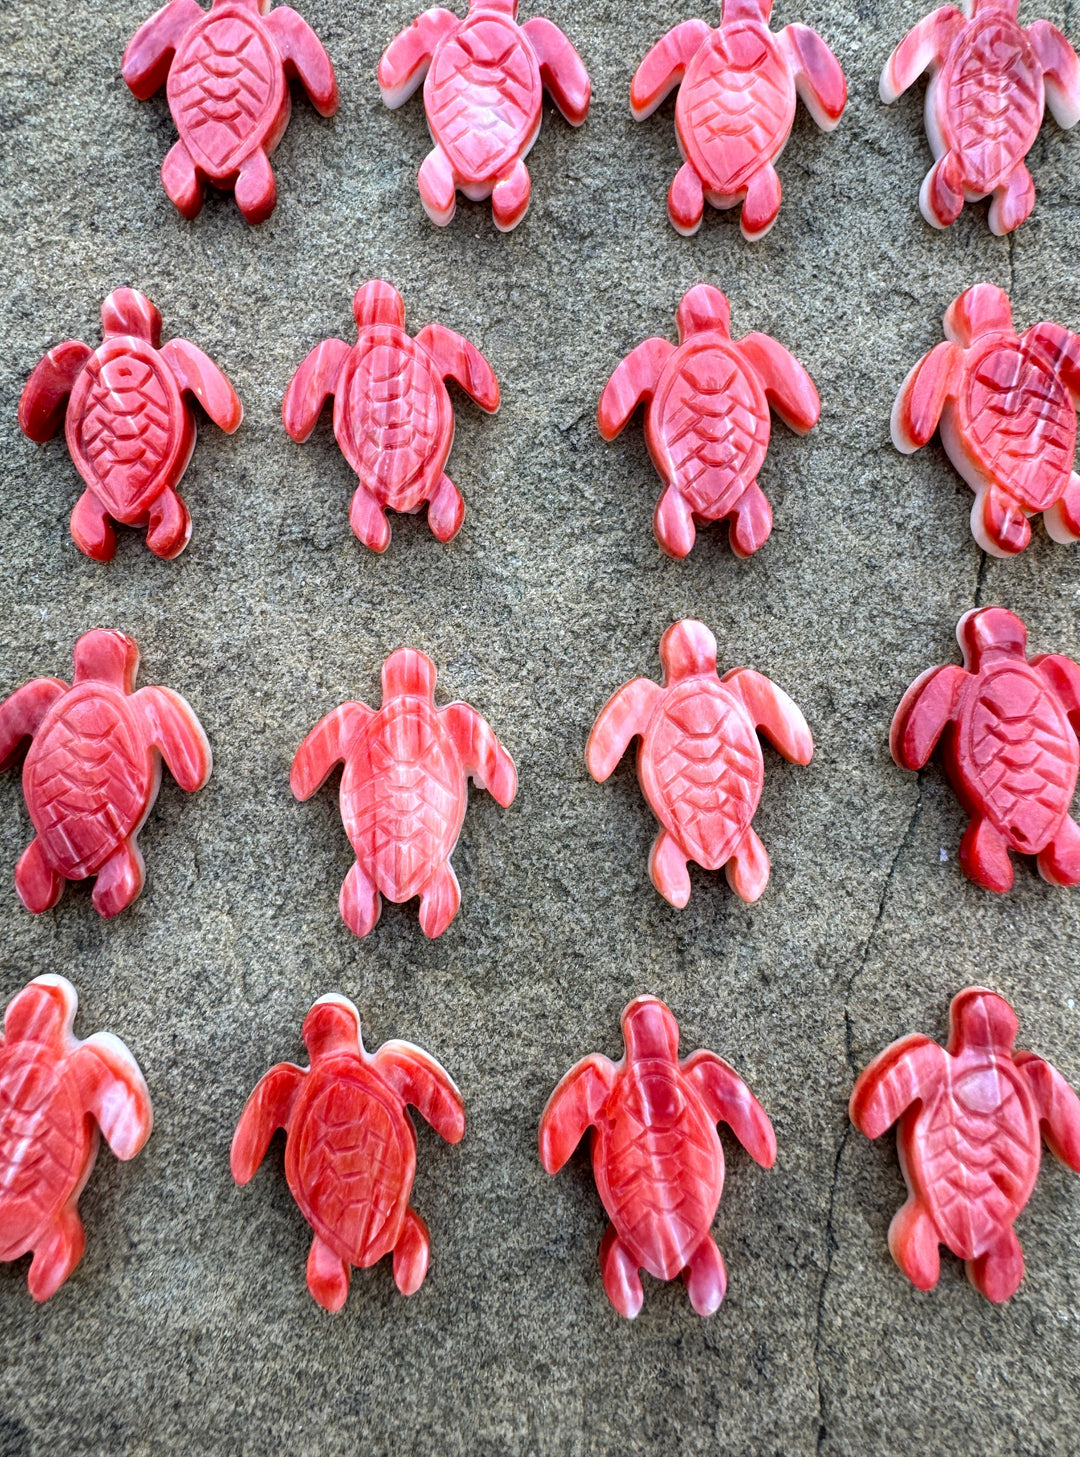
{"x": 392, "y": 414}
{"x": 404, "y": 790}
{"x": 93, "y": 770}
{"x": 657, "y": 1161}
{"x": 989, "y": 82}
{"x": 351, "y": 1150}
{"x": 970, "y": 1123}
{"x": 56, "y": 1093}
{"x": 485, "y": 78}
{"x": 737, "y": 90}
{"x": 228, "y": 72}
{"x": 128, "y": 418}
{"x": 1005, "y": 404}
{"x": 699, "y": 762}
{"x": 1010, "y": 747}
{"x": 707, "y": 419}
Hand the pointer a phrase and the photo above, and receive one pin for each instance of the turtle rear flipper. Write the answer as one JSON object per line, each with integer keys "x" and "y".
{"x": 56, "y": 1253}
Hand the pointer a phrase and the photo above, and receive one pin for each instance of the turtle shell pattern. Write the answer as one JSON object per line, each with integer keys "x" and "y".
{"x": 973, "y": 1151}
{"x": 226, "y": 89}
{"x": 43, "y": 1142}
{"x": 482, "y": 96}
{"x": 1018, "y": 420}
{"x": 735, "y": 106}
{"x": 403, "y": 798}
{"x": 708, "y": 425}
{"x": 1016, "y": 754}
{"x": 392, "y": 417}
{"x": 87, "y": 778}
{"x": 992, "y": 99}
{"x": 128, "y": 430}
{"x": 659, "y": 1166}
{"x": 350, "y": 1159}
{"x": 701, "y": 769}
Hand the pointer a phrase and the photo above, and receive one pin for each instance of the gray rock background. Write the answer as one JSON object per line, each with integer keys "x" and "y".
{"x": 188, "y": 1327}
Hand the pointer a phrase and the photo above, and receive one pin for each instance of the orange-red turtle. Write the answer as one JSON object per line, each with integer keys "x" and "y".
{"x": 971, "y": 1119}
{"x": 350, "y": 1154}
{"x": 1006, "y": 405}
{"x": 404, "y": 790}
{"x": 1008, "y": 727}
{"x": 57, "y": 1096}
{"x": 737, "y": 89}
{"x": 228, "y": 72}
{"x": 990, "y": 80}
{"x": 699, "y": 761}
{"x": 392, "y": 414}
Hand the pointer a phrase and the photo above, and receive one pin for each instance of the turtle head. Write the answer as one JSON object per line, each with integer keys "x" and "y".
{"x": 503, "y": 7}
{"x": 687, "y": 650}
{"x": 378, "y": 303}
{"x": 650, "y": 1031}
{"x": 42, "y": 1012}
{"x": 981, "y": 1019}
{"x": 704, "y": 309}
{"x": 128, "y": 312}
{"x": 989, "y": 632}
{"x": 332, "y": 1025}
{"x": 984, "y": 309}
{"x": 104, "y": 656}
{"x": 746, "y": 9}
{"x": 410, "y": 673}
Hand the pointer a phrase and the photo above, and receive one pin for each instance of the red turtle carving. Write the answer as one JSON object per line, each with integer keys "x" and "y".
{"x": 1006, "y": 405}
{"x": 699, "y": 760}
{"x": 485, "y": 76}
{"x": 350, "y": 1153}
{"x": 990, "y": 80}
{"x": 404, "y": 790}
{"x": 970, "y": 1122}
{"x": 130, "y": 427}
{"x": 392, "y": 414}
{"x": 737, "y": 90}
{"x": 1008, "y": 728}
{"x": 707, "y": 419}
{"x": 93, "y": 770}
{"x": 228, "y": 72}
{"x": 57, "y": 1096}
{"x": 657, "y": 1160}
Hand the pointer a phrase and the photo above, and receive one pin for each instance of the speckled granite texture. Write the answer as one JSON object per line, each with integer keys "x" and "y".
{"x": 187, "y": 1327}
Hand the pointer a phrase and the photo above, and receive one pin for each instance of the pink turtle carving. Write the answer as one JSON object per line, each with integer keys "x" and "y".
{"x": 737, "y": 90}
{"x": 707, "y": 419}
{"x": 404, "y": 790}
{"x": 129, "y": 423}
{"x": 485, "y": 75}
{"x": 1008, "y": 727}
{"x": 57, "y": 1095}
{"x": 392, "y": 415}
{"x": 350, "y": 1157}
{"x": 1006, "y": 404}
{"x": 699, "y": 761}
{"x": 228, "y": 72}
{"x": 657, "y": 1161}
{"x": 93, "y": 770}
{"x": 990, "y": 80}
{"x": 970, "y": 1122}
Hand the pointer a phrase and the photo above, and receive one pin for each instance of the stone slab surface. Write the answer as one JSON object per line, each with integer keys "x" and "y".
{"x": 187, "y": 1326}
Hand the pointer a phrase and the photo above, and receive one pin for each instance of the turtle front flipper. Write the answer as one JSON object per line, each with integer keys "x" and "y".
{"x": 790, "y": 391}
{"x": 1061, "y": 72}
{"x": 665, "y": 66}
{"x": 174, "y": 731}
{"x": 773, "y": 713}
{"x": 21, "y": 714}
{"x": 573, "y": 1107}
{"x": 920, "y": 400}
{"x": 311, "y": 386}
{"x": 819, "y": 79}
{"x": 197, "y": 374}
{"x": 326, "y": 746}
{"x": 633, "y": 382}
{"x": 405, "y": 61}
{"x": 1058, "y": 1108}
{"x": 728, "y": 1100}
{"x": 625, "y": 715}
{"x": 482, "y": 757}
{"x": 924, "y": 45}
{"x": 304, "y": 56}
{"x": 44, "y": 398}
{"x": 267, "y": 1109}
{"x": 561, "y": 69}
{"x": 149, "y": 53}
{"x": 457, "y": 359}
{"x": 925, "y": 711}
{"x": 424, "y": 1084}
{"x": 57, "y": 1250}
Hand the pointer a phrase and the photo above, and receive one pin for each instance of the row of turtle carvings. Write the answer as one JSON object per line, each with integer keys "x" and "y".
{"x": 226, "y": 74}
{"x": 971, "y": 1119}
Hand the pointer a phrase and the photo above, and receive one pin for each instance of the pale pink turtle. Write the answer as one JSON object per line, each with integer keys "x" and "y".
{"x": 392, "y": 415}
{"x": 737, "y": 89}
{"x": 990, "y": 80}
{"x": 485, "y": 75}
{"x": 707, "y": 419}
{"x": 699, "y": 760}
{"x": 1006, "y": 405}
{"x": 404, "y": 790}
